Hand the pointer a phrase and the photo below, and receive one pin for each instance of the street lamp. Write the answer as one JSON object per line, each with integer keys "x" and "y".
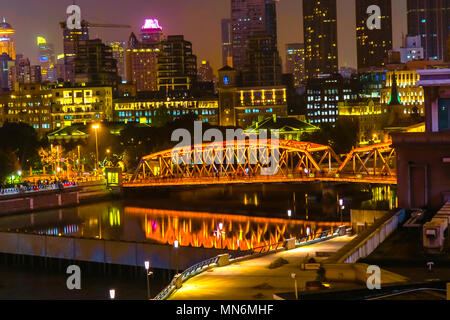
{"x": 112, "y": 294}
{"x": 148, "y": 273}
{"x": 175, "y": 245}
{"x": 96, "y": 127}
{"x": 221, "y": 232}
{"x": 341, "y": 207}
{"x": 289, "y": 213}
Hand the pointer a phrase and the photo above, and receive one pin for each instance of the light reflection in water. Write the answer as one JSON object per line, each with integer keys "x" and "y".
{"x": 232, "y": 232}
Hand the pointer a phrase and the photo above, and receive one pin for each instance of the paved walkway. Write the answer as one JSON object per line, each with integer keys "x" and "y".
{"x": 252, "y": 279}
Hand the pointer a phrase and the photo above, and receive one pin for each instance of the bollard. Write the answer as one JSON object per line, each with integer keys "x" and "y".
{"x": 224, "y": 259}
{"x": 178, "y": 281}
{"x": 448, "y": 291}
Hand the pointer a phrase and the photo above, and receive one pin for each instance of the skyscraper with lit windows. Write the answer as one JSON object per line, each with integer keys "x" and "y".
{"x": 7, "y": 44}
{"x": 373, "y": 45}
{"x": 320, "y": 37}
{"x": 430, "y": 19}
{"x": 249, "y": 17}
{"x": 295, "y": 62}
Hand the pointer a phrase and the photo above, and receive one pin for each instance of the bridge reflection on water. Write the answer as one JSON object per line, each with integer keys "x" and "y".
{"x": 117, "y": 221}
{"x": 222, "y": 231}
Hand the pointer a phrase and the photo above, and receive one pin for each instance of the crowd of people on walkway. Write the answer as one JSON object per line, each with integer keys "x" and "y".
{"x": 40, "y": 185}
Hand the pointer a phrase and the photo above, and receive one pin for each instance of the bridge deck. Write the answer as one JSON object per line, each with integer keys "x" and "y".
{"x": 374, "y": 179}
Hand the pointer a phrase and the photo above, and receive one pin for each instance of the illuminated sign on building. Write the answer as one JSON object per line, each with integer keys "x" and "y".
{"x": 151, "y": 24}
{"x": 4, "y": 39}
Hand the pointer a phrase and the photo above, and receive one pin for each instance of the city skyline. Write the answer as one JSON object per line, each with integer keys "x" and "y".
{"x": 186, "y": 21}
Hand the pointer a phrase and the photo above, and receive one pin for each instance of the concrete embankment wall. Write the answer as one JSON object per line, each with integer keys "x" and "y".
{"x": 103, "y": 251}
{"x": 38, "y": 202}
{"x": 365, "y": 243}
{"x": 44, "y": 200}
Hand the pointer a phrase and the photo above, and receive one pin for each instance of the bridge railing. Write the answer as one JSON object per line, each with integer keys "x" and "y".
{"x": 185, "y": 275}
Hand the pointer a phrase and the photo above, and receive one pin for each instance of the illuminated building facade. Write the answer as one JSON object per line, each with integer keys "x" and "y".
{"x": 320, "y": 37}
{"x": 371, "y": 117}
{"x": 148, "y": 110}
{"x": 430, "y": 20}
{"x": 80, "y": 105}
{"x": 141, "y": 57}
{"x": 227, "y": 56}
{"x": 410, "y": 94}
{"x": 7, "y": 44}
{"x": 23, "y": 72}
{"x": 94, "y": 64}
{"x": 205, "y": 72}
{"x": 47, "y": 60}
{"x": 177, "y": 65}
{"x": 295, "y": 62}
{"x": 5, "y": 63}
{"x": 371, "y": 83}
{"x": 373, "y": 45}
{"x": 29, "y": 103}
{"x": 118, "y": 52}
{"x": 248, "y": 17}
{"x": 243, "y": 106}
{"x": 71, "y": 40}
{"x": 323, "y": 95}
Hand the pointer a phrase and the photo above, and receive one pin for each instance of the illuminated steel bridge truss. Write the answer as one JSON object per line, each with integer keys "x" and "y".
{"x": 253, "y": 161}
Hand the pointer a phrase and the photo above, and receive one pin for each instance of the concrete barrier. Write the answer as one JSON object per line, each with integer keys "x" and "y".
{"x": 364, "y": 244}
{"x": 105, "y": 251}
{"x": 289, "y": 244}
{"x": 224, "y": 260}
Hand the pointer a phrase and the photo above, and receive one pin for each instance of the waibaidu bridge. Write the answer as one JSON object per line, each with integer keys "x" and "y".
{"x": 264, "y": 161}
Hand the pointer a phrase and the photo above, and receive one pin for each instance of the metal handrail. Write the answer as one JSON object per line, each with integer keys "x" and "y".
{"x": 185, "y": 275}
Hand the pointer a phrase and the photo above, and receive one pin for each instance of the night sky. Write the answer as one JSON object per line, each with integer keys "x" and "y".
{"x": 198, "y": 20}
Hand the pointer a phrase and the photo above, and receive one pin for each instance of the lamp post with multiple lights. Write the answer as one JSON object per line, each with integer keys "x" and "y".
{"x": 96, "y": 126}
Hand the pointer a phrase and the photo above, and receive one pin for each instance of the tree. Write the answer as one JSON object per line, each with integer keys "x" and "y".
{"x": 9, "y": 165}
{"x": 21, "y": 139}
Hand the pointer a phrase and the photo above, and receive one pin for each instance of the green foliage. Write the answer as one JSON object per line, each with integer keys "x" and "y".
{"x": 21, "y": 139}
{"x": 9, "y": 165}
{"x": 342, "y": 137}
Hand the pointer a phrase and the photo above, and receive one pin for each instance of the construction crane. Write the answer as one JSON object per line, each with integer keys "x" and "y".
{"x": 85, "y": 23}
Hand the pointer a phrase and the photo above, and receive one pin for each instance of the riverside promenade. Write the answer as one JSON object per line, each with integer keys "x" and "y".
{"x": 262, "y": 278}
{"x": 253, "y": 279}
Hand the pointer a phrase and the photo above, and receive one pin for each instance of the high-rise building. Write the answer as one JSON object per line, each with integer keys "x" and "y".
{"x": 151, "y": 32}
{"x": 95, "y": 65}
{"x": 227, "y": 56}
{"x": 22, "y": 72}
{"x": 323, "y": 94}
{"x": 5, "y": 63}
{"x": 373, "y": 45}
{"x": 71, "y": 40}
{"x": 118, "y": 52}
{"x": 7, "y": 44}
{"x": 177, "y": 65}
{"x": 205, "y": 72}
{"x": 295, "y": 62}
{"x": 320, "y": 37}
{"x": 248, "y": 17}
{"x": 263, "y": 64}
{"x": 47, "y": 60}
{"x": 430, "y": 19}
{"x": 141, "y": 57}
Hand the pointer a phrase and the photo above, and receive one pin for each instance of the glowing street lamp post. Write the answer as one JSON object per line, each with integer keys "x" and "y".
{"x": 96, "y": 127}
{"x": 341, "y": 207}
{"x": 112, "y": 294}
{"x": 175, "y": 245}
{"x": 148, "y": 273}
